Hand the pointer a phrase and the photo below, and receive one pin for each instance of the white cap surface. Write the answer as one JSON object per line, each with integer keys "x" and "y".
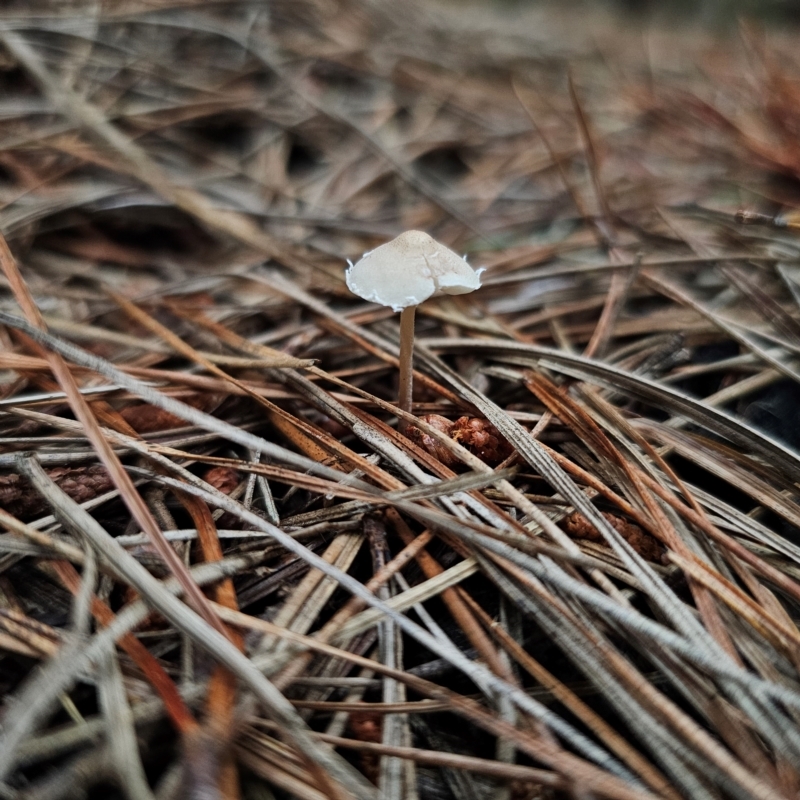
{"x": 409, "y": 270}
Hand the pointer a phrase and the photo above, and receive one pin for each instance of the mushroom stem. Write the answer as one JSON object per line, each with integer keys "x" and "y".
{"x": 406, "y": 362}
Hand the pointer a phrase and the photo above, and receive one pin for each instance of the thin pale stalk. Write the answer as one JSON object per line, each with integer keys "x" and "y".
{"x": 406, "y": 388}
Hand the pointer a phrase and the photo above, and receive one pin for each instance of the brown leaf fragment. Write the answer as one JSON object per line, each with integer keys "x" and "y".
{"x": 19, "y": 498}
{"x": 144, "y": 418}
{"x": 224, "y": 479}
{"x": 578, "y": 527}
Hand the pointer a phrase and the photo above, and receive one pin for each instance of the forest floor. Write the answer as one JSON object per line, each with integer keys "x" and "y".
{"x": 225, "y": 571}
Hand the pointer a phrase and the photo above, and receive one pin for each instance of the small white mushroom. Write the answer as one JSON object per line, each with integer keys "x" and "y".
{"x": 410, "y": 269}
{"x": 402, "y": 274}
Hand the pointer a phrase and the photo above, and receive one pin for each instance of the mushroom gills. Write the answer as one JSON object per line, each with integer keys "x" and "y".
{"x": 408, "y": 270}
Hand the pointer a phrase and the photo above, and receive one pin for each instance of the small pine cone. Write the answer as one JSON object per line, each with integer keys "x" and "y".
{"x": 16, "y": 496}
{"x": 578, "y": 527}
{"x": 21, "y": 500}
{"x": 84, "y": 483}
{"x": 428, "y": 443}
{"x": 644, "y": 544}
{"x": 480, "y": 437}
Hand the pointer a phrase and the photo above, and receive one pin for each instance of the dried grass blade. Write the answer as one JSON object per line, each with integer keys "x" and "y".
{"x": 223, "y": 684}
{"x": 121, "y": 732}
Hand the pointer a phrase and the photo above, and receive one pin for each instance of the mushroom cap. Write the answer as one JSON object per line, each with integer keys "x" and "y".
{"x": 409, "y": 270}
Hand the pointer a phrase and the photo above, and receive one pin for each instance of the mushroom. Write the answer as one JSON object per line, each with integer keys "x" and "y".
{"x": 402, "y": 274}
